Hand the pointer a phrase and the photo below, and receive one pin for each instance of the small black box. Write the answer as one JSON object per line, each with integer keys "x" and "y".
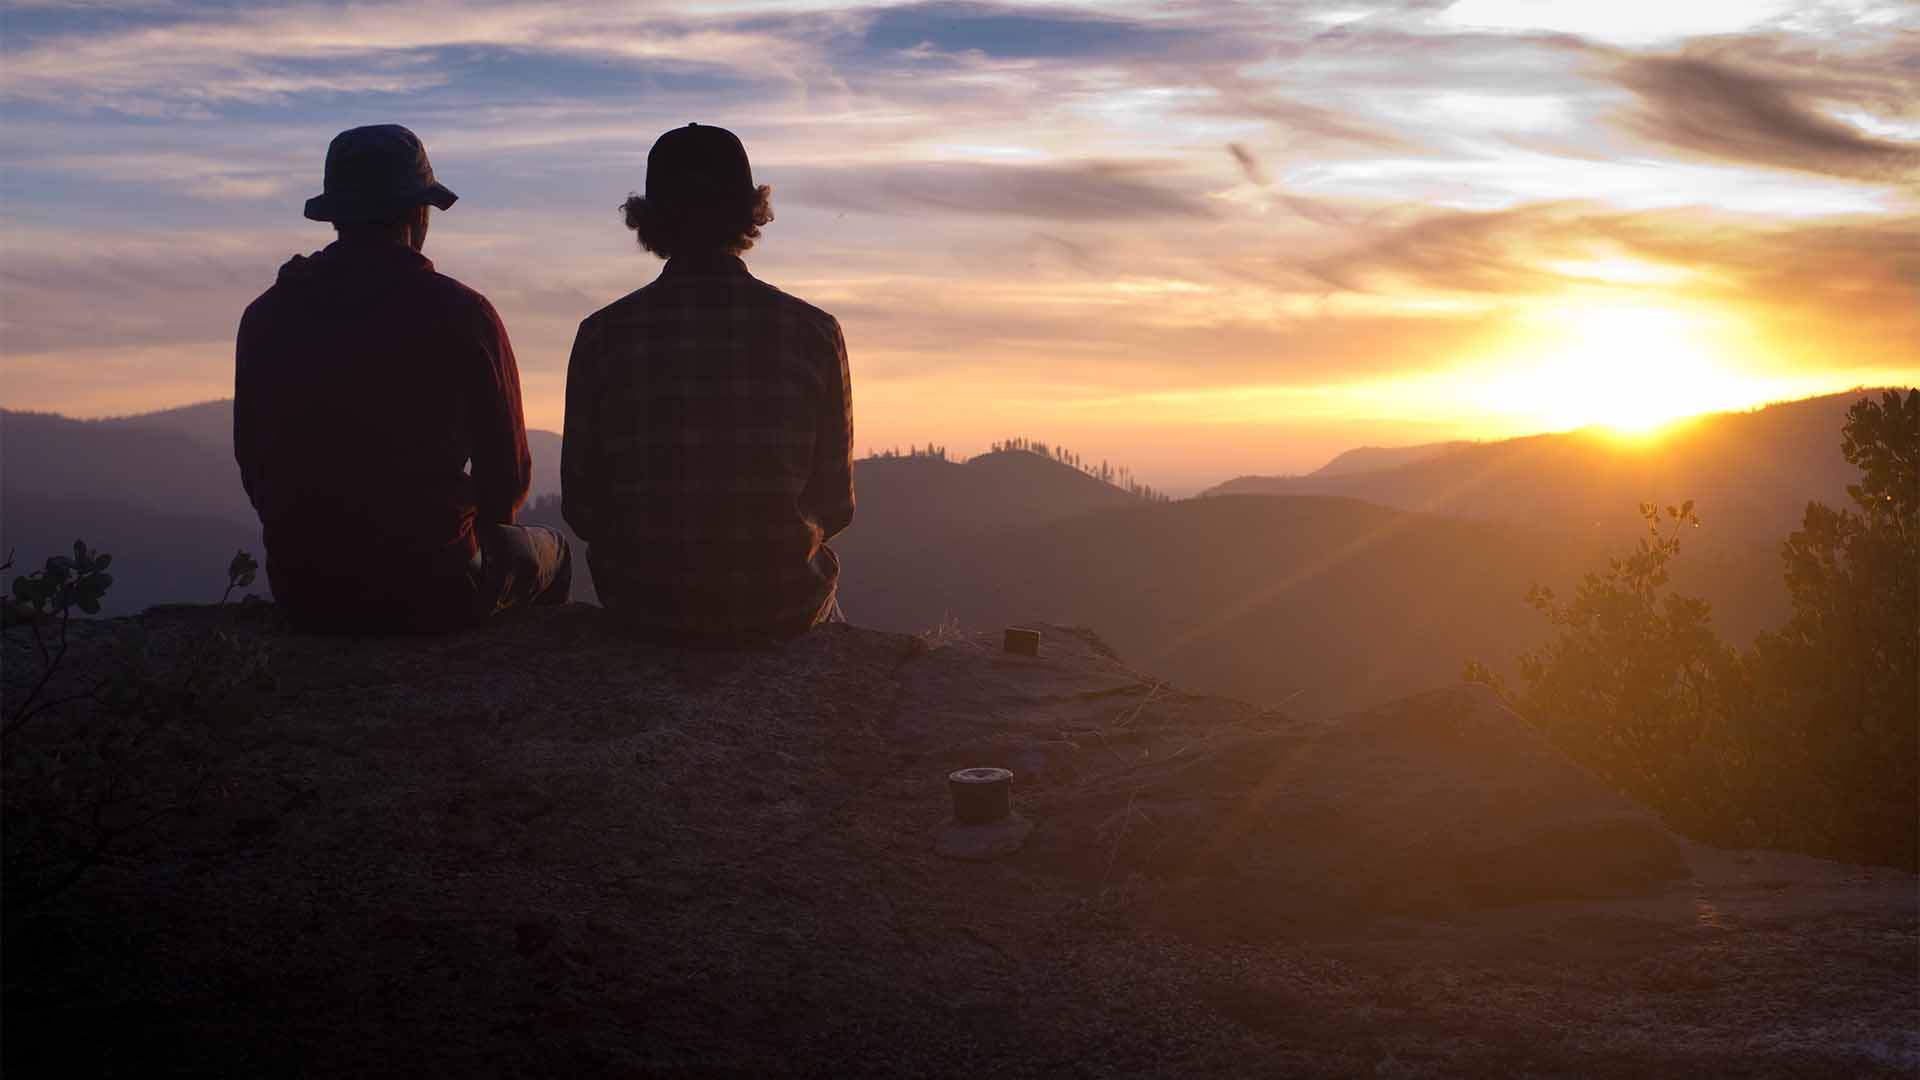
{"x": 1022, "y": 641}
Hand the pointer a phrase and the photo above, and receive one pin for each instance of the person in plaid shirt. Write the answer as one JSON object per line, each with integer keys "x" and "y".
{"x": 708, "y": 451}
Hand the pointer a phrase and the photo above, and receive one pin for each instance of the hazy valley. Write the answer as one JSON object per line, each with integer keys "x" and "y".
{"x": 1369, "y": 579}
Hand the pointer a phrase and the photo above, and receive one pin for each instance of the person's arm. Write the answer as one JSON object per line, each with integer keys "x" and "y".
{"x": 245, "y": 401}
{"x": 502, "y": 464}
{"x": 829, "y": 493}
{"x": 580, "y": 448}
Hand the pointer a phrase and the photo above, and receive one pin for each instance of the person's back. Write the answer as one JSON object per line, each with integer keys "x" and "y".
{"x": 708, "y": 448}
{"x": 364, "y": 384}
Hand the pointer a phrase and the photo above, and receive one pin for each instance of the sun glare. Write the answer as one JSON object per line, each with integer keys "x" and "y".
{"x": 1631, "y": 370}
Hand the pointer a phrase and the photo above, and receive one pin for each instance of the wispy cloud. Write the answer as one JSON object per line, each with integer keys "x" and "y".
{"x": 268, "y": 56}
{"x": 1721, "y": 109}
{"x": 1028, "y": 202}
{"x": 1851, "y": 285}
{"x": 1060, "y": 192}
{"x": 199, "y": 176}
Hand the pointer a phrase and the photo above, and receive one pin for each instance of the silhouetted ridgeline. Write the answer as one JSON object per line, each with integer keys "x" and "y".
{"x": 1325, "y": 603}
{"x": 164, "y": 501}
{"x": 1370, "y": 458}
{"x": 1330, "y": 603}
{"x": 160, "y": 491}
{"x": 1750, "y": 474}
{"x": 1120, "y": 476}
{"x": 914, "y": 506}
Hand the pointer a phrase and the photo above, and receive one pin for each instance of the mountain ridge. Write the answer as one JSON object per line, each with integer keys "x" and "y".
{"x": 1371, "y": 458}
{"x": 1329, "y": 600}
{"x": 210, "y": 424}
{"x": 1750, "y": 473}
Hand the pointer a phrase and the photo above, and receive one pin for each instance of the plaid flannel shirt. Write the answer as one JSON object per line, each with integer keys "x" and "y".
{"x": 708, "y": 454}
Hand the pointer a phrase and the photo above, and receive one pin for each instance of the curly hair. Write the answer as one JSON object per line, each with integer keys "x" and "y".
{"x": 704, "y": 224}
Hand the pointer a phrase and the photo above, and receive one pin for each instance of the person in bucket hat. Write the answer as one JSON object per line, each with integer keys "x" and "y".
{"x": 708, "y": 451}
{"x": 377, "y": 173}
{"x": 364, "y": 384}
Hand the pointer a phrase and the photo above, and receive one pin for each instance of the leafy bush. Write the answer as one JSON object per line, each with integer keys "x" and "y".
{"x": 1838, "y": 686}
{"x": 85, "y": 769}
{"x": 1636, "y": 685}
{"x": 1808, "y": 740}
{"x": 50, "y": 595}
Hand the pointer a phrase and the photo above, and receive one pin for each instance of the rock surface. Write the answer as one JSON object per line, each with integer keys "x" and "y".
{"x": 541, "y": 849}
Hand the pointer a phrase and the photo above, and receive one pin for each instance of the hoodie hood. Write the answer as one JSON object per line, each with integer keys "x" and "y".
{"x": 347, "y": 276}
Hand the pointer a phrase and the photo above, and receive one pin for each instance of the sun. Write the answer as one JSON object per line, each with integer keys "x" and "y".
{"x": 1629, "y": 369}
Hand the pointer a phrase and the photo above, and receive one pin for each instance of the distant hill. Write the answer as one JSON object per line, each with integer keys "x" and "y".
{"x": 209, "y": 422}
{"x": 1355, "y": 586}
{"x": 1750, "y": 473}
{"x": 1323, "y": 603}
{"x": 912, "y": 506}
{"x": 922, "y": 498}
{"x": 160, "y": 491}
{"x": 167, "y": 505}
{"x": 918, "y": 515}
{"x": 1369, "y": 458}
{"x": 1319, "y": 601}
{"x": 160, "y": 465}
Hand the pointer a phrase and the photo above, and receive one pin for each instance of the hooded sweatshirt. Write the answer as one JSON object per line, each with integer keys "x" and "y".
{"x": 365, "y": 383}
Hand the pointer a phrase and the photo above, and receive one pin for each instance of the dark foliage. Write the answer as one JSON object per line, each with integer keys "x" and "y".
{"x": 1839, "y": 684}
{"x": 1808, "y": 740}
{"x": 1119, "y": 476}
{"x": 92, "y": 757}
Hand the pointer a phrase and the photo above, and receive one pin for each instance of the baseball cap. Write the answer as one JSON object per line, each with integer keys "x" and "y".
{"x": 697, "y": 159}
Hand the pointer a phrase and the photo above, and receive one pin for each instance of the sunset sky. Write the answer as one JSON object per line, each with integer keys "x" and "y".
{"x": 1201, "y": 238}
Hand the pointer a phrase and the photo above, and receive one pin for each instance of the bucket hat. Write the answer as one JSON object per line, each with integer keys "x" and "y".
{"x": 375, "y": 173}
{"x": 698, "y": 159}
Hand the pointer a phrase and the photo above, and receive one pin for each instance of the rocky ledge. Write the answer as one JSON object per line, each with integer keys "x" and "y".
{"x": 541, "y": 849}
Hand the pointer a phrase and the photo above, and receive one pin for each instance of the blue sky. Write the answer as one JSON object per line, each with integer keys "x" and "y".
{"x": 1204, "y": 237}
